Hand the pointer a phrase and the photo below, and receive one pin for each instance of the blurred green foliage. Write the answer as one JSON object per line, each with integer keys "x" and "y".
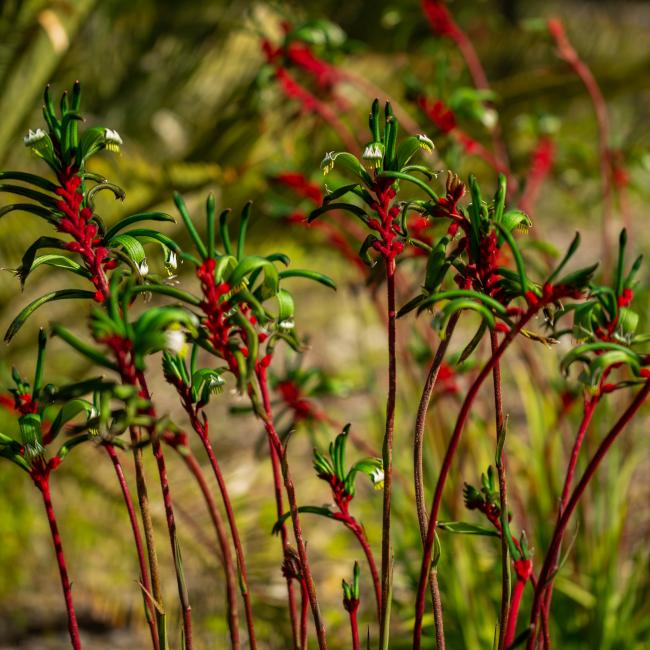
{"x": 186, "y": 86}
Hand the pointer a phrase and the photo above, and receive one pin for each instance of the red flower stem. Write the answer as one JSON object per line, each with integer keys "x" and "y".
{"x": 549, "y": 567}
{"x": 156, "y": 447}
{"x": 356, "y": 528}
{"x": 446, "y": 466}
{"x": 387, "y": 456}
{"x": 276, "y": 443}
{"x": 418, "y": 471}
{"x": 503, "y": 496}
{"x": 137, "y": 538}
{"x": 148, "y": 528}
{"x": 568, "y": 54}
{"x": 229, "y": 569}
{"x": 304, "y": 606}
{"x": 44, "y": 486}
{"x": 183, "y": 594}
{"x": 234, "y": 530}
{"x": 354, "y": 627}
{"x": 515, "y": 604}
{"x": 589, "y": 409}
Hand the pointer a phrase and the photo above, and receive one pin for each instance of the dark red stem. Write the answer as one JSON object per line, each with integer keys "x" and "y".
{"x": 359, "y": 533}
{"x": 277, "y": 446}
{"x": 545, "y": 576}
{"x": 137, "y": 538}
{"x": 183, "y": 594}
{"x": 446, "y": 466}
{"x": 503, "y": 496}
{"x": 515, "y": 604}
{"x": 387, "y": 455}
{"x": 44, "y": 486}
{"x": 418, "y": 470}
{"x": 304, "y": 607}
{"x": 220, "y": 530}
{"x": 354, "y": 627}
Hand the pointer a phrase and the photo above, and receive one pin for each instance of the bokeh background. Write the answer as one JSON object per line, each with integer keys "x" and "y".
{"x": 190, "y": 90}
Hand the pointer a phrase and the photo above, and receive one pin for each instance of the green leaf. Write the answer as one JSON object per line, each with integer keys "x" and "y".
{"x": 136, "y": 218}
{"x": 166, "y": 290}
{"x": 346, "y": 207}
{"x": 62, "y": 294}
{"x": 60, "y": 262}
{"x": 313, "y": 510}
{"x": 519, "y": 261}
{"x": 464, "y": 528}
{"x": 411, "y": 179}
{"x": 247, "y": 266}
{"x": 82, "y": 347}
{"x": 309, "y": 275}
{"x": 348, "y": 162}
{"x": 44, "y": 199}
{"x": 26, "y": 264}
{"x": 39, "y": 181}
{"x": 464, "y": 293}
{"x": 68, "y": 412}
{"x": 39, "y": 211}
{"x": 131, "y": 246}
{"x": 187, "y": 220}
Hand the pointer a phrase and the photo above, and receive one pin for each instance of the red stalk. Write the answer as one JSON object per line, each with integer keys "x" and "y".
{"x": 418, "y": 471}
{"x": 234, "y": 531}
{"x": 304, "y": 606}
{"x": 137, "y": 538}
{"x": 515, "y": 604}
{"x": 277, "y": 489}
{"x": 156, "y": 447}
{"x": 446, "y": 466}
{"x": 43, "y": 484}
{"x": 220, "y": 530}
{"x": 354, "y": 627}
{"x": 503, "y": 498}
{"x": 387, "y": 452}
{"x": 589, "y": 409}
{"x": 173, "y": 539}
{"x": 356, "y": 528}
{"x": 545, "y": 576}
{"x": 276, "y": 445}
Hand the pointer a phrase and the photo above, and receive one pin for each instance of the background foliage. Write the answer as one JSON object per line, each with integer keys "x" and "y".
{"x": 187, "y": 87}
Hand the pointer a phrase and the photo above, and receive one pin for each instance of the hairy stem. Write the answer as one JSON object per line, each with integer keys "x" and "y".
{"x": 234, "y": 533}
{"x": 446, "y": 466}
{"x": 220, "y": 530}
{"x": 73, "y": 627}
{"x": 149, "y": 535}
{"x": 304, "y": 606}
{"x": 550, "y": 563}
{"x": 137, "y": 538}
{"x": 503, "y": 494}
{"x": 418, "y": 471}
{"x": 372, "y": 565}
{"x": 275, "y": 442}
{"x": 589, "y": 408}
{"x": 156, "y": 447}
{"x": 387, "y": 457}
